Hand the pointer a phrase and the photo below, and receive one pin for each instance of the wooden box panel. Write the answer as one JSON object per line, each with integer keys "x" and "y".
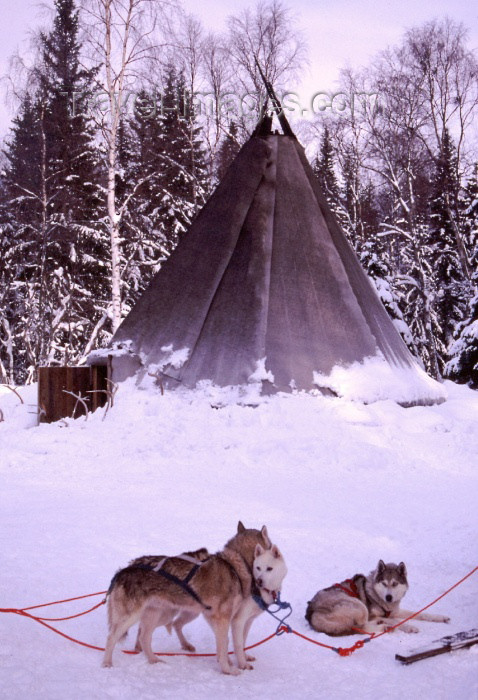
{"x": 55, "y": 403}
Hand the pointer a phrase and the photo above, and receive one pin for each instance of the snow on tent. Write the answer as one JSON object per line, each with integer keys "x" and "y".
{"x": 264, "y": 288}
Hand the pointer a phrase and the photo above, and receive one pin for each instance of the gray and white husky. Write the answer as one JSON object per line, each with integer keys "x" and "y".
{"x": 221, "y": 587}
{"x": 365, "y": 603}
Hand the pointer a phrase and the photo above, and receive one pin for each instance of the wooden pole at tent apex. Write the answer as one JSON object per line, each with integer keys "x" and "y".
{"x": 286, "y": 128}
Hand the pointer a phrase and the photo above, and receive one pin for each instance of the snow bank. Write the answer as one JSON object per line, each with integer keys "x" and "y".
{"x": 339, "y": 484}
{"x": 374, "y": 379}
{"x": 19, "y": 408}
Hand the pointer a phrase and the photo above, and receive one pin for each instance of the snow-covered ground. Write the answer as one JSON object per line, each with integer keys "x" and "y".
{"x": 339, "y": 485}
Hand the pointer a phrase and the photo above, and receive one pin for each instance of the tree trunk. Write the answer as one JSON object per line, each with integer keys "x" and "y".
{"x": 114, "y": 221}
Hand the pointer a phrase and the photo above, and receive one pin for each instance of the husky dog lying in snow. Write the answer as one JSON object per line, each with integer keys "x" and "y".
{"x": 364, "y": 603}
{"x": 221, "y": 587}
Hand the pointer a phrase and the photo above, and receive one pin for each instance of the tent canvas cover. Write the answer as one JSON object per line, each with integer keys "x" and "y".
{"x": 264, "y": 288}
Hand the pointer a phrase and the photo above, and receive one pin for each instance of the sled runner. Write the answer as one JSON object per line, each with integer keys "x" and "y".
{"x": 452, "y": 642}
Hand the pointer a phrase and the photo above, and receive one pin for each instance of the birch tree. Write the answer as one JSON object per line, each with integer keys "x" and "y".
{"x": 436, "y": 54}
{"x": 125, "y": 38}
{"x": 406, "y": 104}
{"x": 268, "y": 35}
{"x": 217, "y": 71}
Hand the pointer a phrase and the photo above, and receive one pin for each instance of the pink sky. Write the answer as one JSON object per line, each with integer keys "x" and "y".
{"x": 338, "y": 33}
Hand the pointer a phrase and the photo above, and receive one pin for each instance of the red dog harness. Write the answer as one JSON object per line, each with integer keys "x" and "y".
{"x": 351, "y": 590}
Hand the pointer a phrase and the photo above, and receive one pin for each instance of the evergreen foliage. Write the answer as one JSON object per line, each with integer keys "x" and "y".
{"x": 374, "y": 261}
{"x": 391, "y": 171}
{"x": 445, "y": 261}
{"x": 353, "y": 203}
{"x": 162, "y": 169}
{"x": 227, "y": 150}
{"x": 324, "y": 168}
{"x": 54, "y": 240}
{"x": 52, "y": 199}
{"x": 463, "y": 365}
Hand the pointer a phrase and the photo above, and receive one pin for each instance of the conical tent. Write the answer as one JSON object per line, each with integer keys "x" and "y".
{"x": 264, "y": 287}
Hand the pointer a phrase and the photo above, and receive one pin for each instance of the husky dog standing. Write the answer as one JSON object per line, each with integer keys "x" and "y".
{"x": 364, "y": 604}
{"x": 221, "y": 588}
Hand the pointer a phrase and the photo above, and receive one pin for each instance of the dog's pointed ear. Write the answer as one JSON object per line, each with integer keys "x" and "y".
{"x": 240, "y": 527}
{"x": 380, "y": 566}
{"x": 265, "y": 535}
{"x": 402, "y": 570}
{"x": 275, "y": 552}
{"x": 258, "y": 550}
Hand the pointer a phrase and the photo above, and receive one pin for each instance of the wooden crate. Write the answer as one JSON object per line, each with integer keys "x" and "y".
{"x": 53, "y": 383}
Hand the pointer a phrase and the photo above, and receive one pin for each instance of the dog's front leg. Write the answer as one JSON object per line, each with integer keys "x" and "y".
{"x": 247, "y": 628}
{"x": 375, "y": 626}
{"x": 220, "y": 626}
{"x": 404, "y": 627}
{"x": 426, "y": 617}
{"x": 390, "y": 623}
{"x": 238, "y": 638}
{"x": 241, "y": 625}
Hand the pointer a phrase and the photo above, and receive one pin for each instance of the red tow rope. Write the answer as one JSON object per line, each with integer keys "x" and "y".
{"x": 347, "y": 651}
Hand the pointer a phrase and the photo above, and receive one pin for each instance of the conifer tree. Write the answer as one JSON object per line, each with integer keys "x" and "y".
{"x": 25, "y": 229}
{"x": 463, "y": 365}
{"x": 52, "y": 196}
{"x": 469, "y": 209}
{"x": 450, "y": 297}
{"x": 324, "y": 168}
{"x": 81, "y": 251}
{"x": 415, "y": 278}
{"x": 161, "y": 177}
{"x": 66, "y": 89}
{"x": 374, "y": 261}
{"x": 183, "y": 171}
{"x": 227, "y": 150}
{"x": 139, "y": 171}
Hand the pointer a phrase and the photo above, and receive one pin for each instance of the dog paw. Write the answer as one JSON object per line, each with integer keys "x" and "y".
{"x": 446, "y": 619}
{"x": 249, "y": 657}
{"x": 188, "y": 647}
{"x": 380, "y": 624}
{"x": 410, "y": 629}
{"x": 246, "y": 667}
{"x": 231, "y": 671}
{"x": 107, "y": 664}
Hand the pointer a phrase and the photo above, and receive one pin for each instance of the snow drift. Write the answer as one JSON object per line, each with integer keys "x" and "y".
{"x": 338, "y": 483}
